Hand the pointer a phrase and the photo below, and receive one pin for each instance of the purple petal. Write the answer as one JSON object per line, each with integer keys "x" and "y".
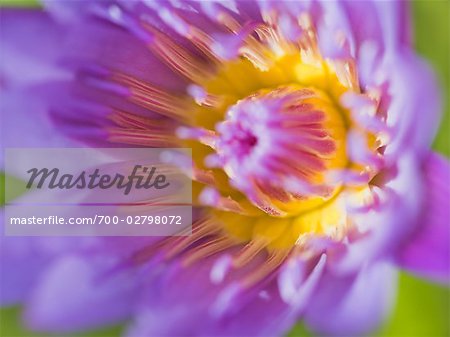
{"x": 414, "y": 110}
{"x": 23, "y": 260}
{"x": 26, "y": 121}
{"x": 297, "y": 284}
{"x": 21, "y": 263}
{"x": 381, "y": 23}
{"x": 352, "y": 306}
{"x": 29, "y": 51}
{"x": 81, "y": 108}
{"x": 30, "y": 61}
{"x": 335, "y": 19}
{"x": 388, "y": 23}
{"x": 206, "y": 299}
{"x": 71, "y": 10}
{"x": 388, "y": 224}
{"x": 428, "y": 251}
{"x": 395, "y": 24}
{"x": 116, "y": 50}
{"x": 77, "y": 294}
{"x": 385, "y": 31}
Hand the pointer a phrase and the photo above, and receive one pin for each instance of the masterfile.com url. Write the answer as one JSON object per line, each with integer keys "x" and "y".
{"x": 98, "y": 220}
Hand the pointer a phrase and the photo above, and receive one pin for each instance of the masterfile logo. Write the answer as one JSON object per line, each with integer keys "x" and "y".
{"x": 86, "y": 191}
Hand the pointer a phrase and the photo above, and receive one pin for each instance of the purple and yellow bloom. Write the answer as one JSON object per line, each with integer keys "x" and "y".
{"x": 310, "y": 124}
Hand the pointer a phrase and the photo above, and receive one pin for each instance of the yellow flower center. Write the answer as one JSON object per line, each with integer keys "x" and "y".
{"x": 278, "y": 215}
{"x": 269, "y": 135}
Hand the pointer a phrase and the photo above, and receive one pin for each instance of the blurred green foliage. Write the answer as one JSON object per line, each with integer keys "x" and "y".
{"x": 11, "y": 326}
{"x": 17, "y": 187}
{"x": 422, "y": 308}
{"x": 432, "y": 36}
{"x": 20, "y": 3}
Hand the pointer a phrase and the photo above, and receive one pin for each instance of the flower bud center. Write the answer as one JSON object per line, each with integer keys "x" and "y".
{"x": 276, "y": 145}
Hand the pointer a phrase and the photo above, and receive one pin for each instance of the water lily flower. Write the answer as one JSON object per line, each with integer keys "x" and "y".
{"x": 310, "y": 124}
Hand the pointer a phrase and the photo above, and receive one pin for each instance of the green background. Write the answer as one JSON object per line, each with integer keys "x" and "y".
{"x": 422, "y": 308}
